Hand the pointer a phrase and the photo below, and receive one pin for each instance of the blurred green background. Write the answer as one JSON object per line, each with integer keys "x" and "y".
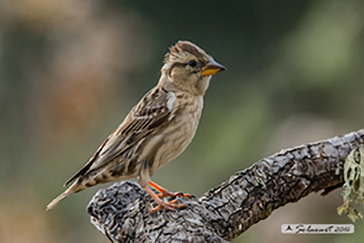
{"x": 71, "y": 70}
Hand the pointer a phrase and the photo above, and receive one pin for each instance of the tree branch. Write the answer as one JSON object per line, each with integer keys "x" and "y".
{"x": 224, "y": 212}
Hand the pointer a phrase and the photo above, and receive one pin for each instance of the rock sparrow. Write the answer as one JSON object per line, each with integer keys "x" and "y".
{"x": 156, "y": 130}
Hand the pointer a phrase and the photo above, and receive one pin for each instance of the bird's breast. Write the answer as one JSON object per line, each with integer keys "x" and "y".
{"x": 180, "y": 131}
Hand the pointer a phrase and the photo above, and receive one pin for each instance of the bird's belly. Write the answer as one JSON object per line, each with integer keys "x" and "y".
{"x": 180, "y": 134}
{"x": 176, "y": 145}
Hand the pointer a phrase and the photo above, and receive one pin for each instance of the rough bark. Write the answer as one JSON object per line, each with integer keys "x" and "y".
{"x": 122, "y": 211}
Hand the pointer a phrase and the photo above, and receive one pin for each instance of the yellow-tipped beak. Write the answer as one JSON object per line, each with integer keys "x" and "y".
{"x": 212, "y": 68}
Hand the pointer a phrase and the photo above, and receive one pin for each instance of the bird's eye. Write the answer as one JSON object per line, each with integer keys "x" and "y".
{"x": 192, "y": 63}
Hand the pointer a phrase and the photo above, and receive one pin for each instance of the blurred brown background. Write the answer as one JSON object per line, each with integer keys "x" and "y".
{"x": 71, "y": 70}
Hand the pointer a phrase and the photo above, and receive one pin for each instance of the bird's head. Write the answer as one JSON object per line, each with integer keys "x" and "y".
{"x": 189, "y": 68}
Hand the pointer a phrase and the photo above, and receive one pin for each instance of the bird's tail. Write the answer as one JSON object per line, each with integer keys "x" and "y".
{"x": 74, "y": 188}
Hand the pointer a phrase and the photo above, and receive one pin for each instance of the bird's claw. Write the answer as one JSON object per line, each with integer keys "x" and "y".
{"x": 181, "y": 194}
{"x": 173, "y": 195}
{"x": 171, "y": 205}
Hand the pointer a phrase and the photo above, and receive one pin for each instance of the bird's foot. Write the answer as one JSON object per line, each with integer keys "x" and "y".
{"x": 175, "y": 194}
{"x": 171, "y": 205}
{"x": 162, "y": 192}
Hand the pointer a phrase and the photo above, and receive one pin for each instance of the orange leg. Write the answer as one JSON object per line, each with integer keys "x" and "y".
{"x": 161, "y": 204}
{"x": 165, "y": 193}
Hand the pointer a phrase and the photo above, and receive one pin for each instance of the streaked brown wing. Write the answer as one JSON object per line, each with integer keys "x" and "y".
{"x": 149, "y": 114}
